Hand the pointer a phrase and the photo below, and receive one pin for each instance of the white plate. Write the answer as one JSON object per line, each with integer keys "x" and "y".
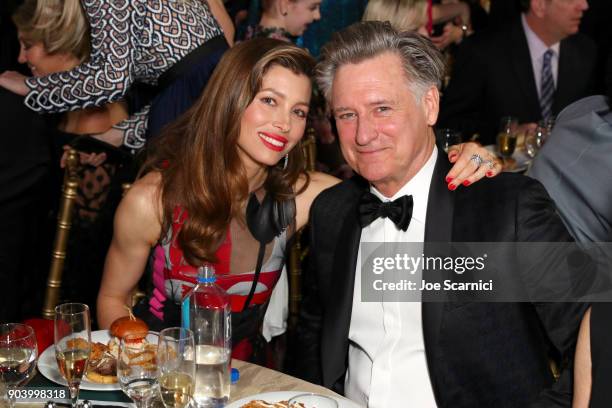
{"x": 47, "y": 365}
{"x": 277, "y": 396}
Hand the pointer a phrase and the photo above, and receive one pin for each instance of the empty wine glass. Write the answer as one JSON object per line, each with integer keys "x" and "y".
{"x": 449, "y": 137}
{"x": 72, "y": 331}
{"x": 535, "y": 138}
{"x": 137, "y": 368}
{"x": 310, "y": 400}
{"x": 18, "y": 354}
{"x": 176, "y": 363}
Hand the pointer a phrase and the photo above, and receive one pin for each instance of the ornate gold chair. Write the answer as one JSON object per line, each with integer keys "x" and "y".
{"x": 102, "y": 197}
{"x": 64, "y": 223}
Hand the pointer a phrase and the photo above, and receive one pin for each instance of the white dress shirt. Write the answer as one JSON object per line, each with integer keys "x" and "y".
{"x": 387, "y": 366}
{"x": 537, "y": 48}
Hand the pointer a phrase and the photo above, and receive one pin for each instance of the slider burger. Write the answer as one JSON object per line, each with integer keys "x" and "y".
{"x": 127, "y": 326}
{"x": 102, "y": 367}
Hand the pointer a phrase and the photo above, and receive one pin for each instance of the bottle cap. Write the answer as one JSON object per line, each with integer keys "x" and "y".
{"x": 206, "y": 274}
{"x": 235, "y": 375}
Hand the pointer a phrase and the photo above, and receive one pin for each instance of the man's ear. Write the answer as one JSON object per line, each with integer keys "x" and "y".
{"x": 431, "y": 105}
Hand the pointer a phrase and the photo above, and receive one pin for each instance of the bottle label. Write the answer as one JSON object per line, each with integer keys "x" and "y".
{"x": 185, "y": 312}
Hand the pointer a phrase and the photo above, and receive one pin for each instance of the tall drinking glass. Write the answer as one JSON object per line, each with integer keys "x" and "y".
{"x": 176, "y": 363}
{"x": 72, "y": 344}
{"x": 449, "y": 137}
{"x": 137, "y": 368}
{"x": 506, "y": 138}
{"x": 535, "y": 139}
{"x": 18, "y": 354}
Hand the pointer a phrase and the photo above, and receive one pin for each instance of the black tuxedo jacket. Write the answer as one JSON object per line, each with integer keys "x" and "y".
{"x": 478, "y": 354}
{"x": 493, "y": 77}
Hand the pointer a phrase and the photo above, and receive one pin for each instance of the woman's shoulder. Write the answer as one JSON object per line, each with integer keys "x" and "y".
{"x": 138, "y": 217}
{"x": 143, "y": 197}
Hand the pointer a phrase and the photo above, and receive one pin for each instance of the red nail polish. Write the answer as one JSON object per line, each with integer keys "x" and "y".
{"x": 489, "y": 173}
{"x": 449, "y": 179}
{"x": 466, "y": 183}
{"x": 452, "y": 187}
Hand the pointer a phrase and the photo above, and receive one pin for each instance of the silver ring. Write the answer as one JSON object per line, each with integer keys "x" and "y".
{"x": 490, "y": 163}
{"x": 476, "y": 159}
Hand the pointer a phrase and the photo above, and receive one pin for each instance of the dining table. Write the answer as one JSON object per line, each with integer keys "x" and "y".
{"x": 253, "y": 380}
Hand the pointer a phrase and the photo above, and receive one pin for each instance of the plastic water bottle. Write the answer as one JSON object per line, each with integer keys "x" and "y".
{"x": 206, "y": 311}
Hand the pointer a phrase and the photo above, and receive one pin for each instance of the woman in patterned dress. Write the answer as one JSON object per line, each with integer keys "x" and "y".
{"x": 172, "y": 44}
{"x": 199, "y": 201}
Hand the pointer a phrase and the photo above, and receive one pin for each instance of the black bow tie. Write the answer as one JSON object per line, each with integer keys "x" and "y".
{"x": 398, "y": 211}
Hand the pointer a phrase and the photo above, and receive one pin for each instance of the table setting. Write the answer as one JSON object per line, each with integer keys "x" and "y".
{"x": 517, "y": 145}
{"x": 152, "y": 370}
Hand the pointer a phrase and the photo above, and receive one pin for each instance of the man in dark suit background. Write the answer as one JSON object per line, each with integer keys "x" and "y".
{"x": 530, "y": 69}
{"x": 383, "y": 89}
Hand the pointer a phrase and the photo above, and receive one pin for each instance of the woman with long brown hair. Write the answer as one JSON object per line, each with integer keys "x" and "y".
{"x": 224, "y": 186}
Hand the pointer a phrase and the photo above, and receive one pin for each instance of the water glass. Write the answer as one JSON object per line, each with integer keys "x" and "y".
{"x": 72, "y": 333}
{"x": 449, "y": 137}
{"x": 535, "y": 138}
{"x": 137, "y": 368}
{"x": 176, "y": 363}
{"x": 18, "y": 355}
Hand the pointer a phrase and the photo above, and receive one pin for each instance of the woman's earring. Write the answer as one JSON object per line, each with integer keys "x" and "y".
{"x": 286, "y": 161}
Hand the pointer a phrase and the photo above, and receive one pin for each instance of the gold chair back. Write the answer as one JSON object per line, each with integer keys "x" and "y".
{"x": 64, "y": 223}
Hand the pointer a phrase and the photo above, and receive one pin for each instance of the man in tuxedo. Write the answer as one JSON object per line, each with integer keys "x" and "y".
{"x": 383, "y": 88}
{"x": 530, "y": 69}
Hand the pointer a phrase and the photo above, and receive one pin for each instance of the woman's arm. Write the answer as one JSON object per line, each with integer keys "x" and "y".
{"x": 106, "y": 76}
{"x": 582, "y": 364}
{"x": 137, "y": 229}
{"x": 464, "y": 172}
{"x": 218, "y": 11}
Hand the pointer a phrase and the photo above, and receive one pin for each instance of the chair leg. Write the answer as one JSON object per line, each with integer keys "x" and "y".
{"x": 64, "y": 223}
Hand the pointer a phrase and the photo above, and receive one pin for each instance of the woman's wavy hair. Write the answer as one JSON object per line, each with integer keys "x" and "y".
{"x": 197, "y": 155}
{"x": 60, "y": 25}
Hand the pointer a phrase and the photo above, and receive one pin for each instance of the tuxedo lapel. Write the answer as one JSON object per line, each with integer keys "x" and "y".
{"x": 339, "y": 306}
{"x": 523, "y": 69}
{"x": 438, "y": 229}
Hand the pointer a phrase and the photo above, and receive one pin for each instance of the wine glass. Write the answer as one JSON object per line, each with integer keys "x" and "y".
{"x": 506, "y": 138}
{"x": 72, "y": 332}
{"x": 18, "y": 354}
{"x": 449, "y": 137}
{"x": 310, "y": 400}
{"x": 535, "y": 139}
{"x": 137, "y": 368}
{"x": 176, "y": 363}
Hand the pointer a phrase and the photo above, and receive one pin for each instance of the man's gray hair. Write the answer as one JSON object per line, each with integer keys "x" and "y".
{"x": 421, "y": 60}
